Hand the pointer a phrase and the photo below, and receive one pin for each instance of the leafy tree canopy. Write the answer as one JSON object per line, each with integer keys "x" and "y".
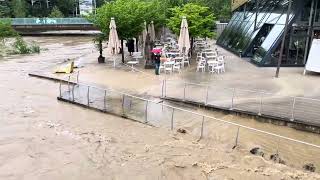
{"x": 200, "y": 20}
{"x": 129, "y": 16}
{"x": 56, "y": 13}
{"x": 6, "y": 30}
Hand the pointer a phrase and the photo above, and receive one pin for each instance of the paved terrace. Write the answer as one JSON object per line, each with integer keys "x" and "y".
{"x": 244, "y": 87}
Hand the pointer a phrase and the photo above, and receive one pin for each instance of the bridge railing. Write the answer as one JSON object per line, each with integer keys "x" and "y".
{"x": 46, "y": 21}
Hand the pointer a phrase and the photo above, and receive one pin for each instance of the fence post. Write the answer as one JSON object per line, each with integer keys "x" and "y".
{"x": 237, "y": 138}
{"x": 207, "y": 96}
{"x": 123, "y": 99}
{"x": 73, "y": 92}
{"x": 165, "y": 88}
{"x": 232, "y": 100}
{"x": 88, "y": 96}
{"x": 202, "y": 126}
{"x": 146, "y": 112}
{"x": 172, "y": 119}
{"x": 60, "y": 93}
{"x": 78, "y": 77}
{"x": 69, "y": 84}
{"x": 293, "y": 107}
{"x": 162, "y": 89}
{"x": 105, "y": 100}
{"x": 260, "y": 107}
{"x": 184, "y": 91}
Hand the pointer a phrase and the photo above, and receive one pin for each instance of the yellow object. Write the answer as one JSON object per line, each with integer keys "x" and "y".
{"x": 66, "y": 68}
{"x": 237, "y": 3}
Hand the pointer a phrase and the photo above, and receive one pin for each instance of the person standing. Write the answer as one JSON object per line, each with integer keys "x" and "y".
{"x": 157, "y": 60}
{"x": 130, "y": 45}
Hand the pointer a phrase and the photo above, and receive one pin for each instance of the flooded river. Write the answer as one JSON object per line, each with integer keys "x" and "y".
{"x": 41, "y": 138}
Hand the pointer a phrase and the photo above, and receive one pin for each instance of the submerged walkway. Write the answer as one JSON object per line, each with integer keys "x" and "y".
{"x": 286, "y": 108}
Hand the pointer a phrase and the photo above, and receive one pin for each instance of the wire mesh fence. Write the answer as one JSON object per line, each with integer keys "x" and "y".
{"x": 255, "y": 102}
{"x": 231, "y": 135}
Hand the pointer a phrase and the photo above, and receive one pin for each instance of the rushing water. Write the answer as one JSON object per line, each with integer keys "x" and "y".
{"x": 23, "y": 95}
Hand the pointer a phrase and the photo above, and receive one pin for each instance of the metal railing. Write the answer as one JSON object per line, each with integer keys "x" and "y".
{"x": 305, "y": 110}
{"x": 295, "y": 152}
{"x": 47, "y": 21}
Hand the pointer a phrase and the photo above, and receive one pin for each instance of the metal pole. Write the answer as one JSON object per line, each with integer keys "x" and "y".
{"x": 309, "y": 32}
{"x": 88, "y": 96}
{"x": 172, "y": 119}
{"x": 73, "y": 92}
{"x": 202, "y": 126}
{"x": 260, "y": 107}
{"x": 184, "y": 91}
{"x": 146, "y": 112}
{"x": 284, "y": 39}
{"x": 256, "y": 15}
{"x": 78, "y": 77}
{"x": 293, "y": 107}
{"x": 105, "y": 100}
{"x": 69, "y": 83}
{"x": 207, "y": 96}
{"x": 123, "y": 98}
{"x": 60, "y": 89}
{"x": 165, "y": 88}
{"x": 237, "y": 137}
{"x": 162, "y": 89}
{"x": 233, "y": 95}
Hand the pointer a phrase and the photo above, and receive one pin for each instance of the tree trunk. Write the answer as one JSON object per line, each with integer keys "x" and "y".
{"x": 122, "y": 51}
{"x": 137, "y": 44}
{"x": 100, "y": 48}
{"x": 192, "y": 42}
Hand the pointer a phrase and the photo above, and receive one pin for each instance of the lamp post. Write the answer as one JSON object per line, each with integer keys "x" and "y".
{"x": 284, "y": 38}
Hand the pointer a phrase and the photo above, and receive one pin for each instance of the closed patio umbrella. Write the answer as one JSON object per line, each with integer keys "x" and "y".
{"x": 114, "y": 43}
{"x": 184, "y": 41}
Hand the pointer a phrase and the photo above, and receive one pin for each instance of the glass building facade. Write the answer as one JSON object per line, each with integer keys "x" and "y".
{"x": 257, "y": 27}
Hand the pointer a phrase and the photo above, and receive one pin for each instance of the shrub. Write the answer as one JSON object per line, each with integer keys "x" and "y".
{"x": 35, "y": 48}
{"x": 21, "y": 46}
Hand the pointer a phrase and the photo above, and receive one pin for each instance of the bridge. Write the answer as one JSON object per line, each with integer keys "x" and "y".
{"x": 36, "y": 25}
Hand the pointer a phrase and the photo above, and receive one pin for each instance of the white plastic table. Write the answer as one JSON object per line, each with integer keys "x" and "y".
{"x": 132, "y": 63}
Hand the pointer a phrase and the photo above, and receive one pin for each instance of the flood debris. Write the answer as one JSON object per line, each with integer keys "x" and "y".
{"x": 257, "y": 151}
{"x": 309, "y": 167}
{"x": 182, "y": 131}
{"x": 276, "y": 158}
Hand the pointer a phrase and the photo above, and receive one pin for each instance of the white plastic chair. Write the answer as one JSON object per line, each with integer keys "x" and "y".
{"x": 177, "y": 67}
{"x": 201, "y": 65}
{"x": 219, "y": 68}
{"x": 186, "y": 61}
{"x": 161, "y": 67}
{"x": 168, "y": 68}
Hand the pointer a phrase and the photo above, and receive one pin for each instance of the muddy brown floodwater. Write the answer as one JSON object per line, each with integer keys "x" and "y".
{"x": 41, "y": 138}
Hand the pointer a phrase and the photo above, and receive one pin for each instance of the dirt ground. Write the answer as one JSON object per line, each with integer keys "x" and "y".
{"x": 41, "y": 138}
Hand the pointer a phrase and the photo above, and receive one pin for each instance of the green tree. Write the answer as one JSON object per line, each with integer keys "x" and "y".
{"x": 19, "y": 8}
{"x": 5, "y": 10}
{"x": 220, "y": 8}
{"x": 129, "y": 16}
{"x": 200, "y": 19}
{"x": 56, "y": 13}
{"x": 6, "y": 30}
{"x": 67, "y": 7}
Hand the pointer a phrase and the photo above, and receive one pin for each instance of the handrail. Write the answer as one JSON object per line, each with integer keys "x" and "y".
{"x": 47, "y": 21}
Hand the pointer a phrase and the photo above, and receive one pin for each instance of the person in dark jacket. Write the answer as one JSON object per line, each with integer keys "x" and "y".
{"x": 130, "y": 45}
{"x": 157, "y": 61}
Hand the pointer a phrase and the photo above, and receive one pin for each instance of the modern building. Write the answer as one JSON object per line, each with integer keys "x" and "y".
{"x": 256, "y": 30}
